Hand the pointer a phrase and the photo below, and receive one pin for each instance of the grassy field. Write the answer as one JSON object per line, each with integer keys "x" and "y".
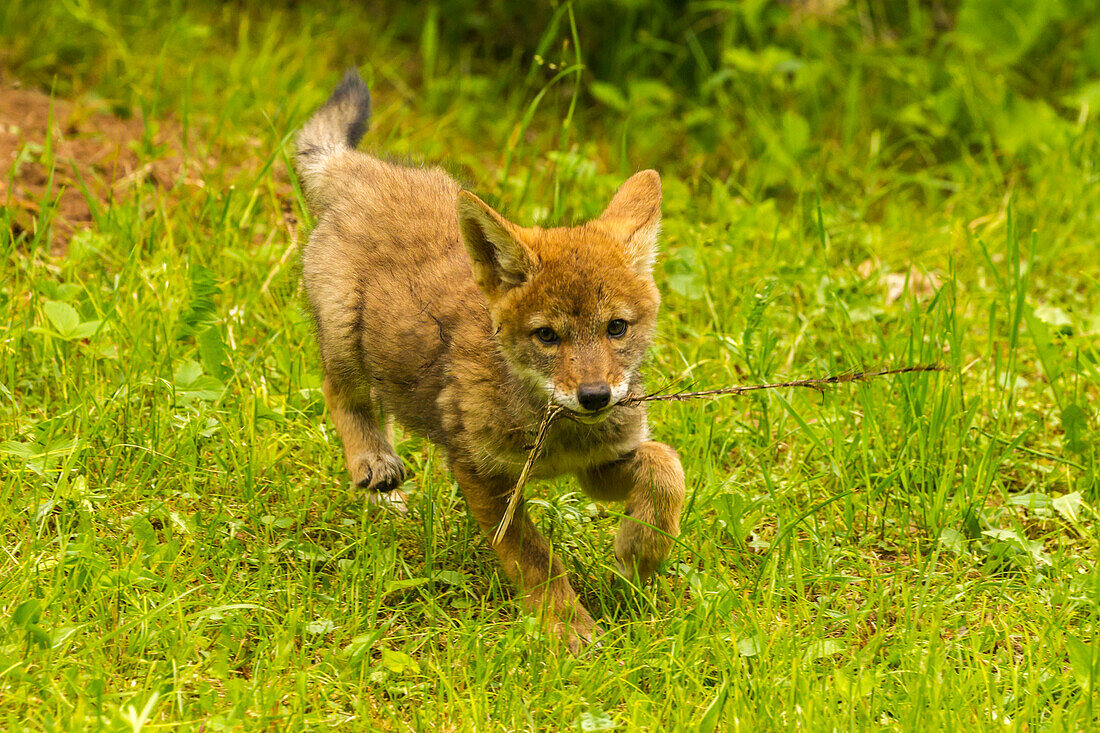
{"x": 874, "y": 184}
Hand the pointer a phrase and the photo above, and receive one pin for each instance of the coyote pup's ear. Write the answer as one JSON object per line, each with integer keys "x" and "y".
{"x": 501, "y": 261}
{"x": 634, "y": 217}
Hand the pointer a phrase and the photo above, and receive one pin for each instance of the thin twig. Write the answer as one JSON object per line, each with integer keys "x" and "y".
{"x": 554, "y": 411}
{"x": 819, "y": 384}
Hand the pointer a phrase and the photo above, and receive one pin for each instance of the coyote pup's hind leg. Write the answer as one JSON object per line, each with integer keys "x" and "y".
{"x": 368, "y": 444}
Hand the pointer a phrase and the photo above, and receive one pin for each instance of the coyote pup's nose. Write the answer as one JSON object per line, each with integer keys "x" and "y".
{"x": 594, "y": 395}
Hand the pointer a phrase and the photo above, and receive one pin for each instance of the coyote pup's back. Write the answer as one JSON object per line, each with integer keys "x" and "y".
{"x": 432, "y": 308}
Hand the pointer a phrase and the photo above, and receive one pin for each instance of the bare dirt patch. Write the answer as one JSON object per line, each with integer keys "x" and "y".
{"x": 94, "y": 154}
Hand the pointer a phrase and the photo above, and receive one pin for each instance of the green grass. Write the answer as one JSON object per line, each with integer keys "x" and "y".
{"x": 180, "y": 544}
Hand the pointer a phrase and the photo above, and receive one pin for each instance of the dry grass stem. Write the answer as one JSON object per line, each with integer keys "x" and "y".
{"x": 548, "y": 417}
{"x": 553, "y": 412}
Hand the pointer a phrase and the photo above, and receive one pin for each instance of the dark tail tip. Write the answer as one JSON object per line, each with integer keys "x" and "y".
{"x": 353, "y": 95}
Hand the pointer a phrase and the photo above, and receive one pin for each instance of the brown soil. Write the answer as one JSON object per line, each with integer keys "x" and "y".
{"x": 89, "y": 147}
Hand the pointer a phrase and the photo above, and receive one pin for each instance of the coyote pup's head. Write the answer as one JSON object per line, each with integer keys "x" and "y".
{"x": 573, "y": 307}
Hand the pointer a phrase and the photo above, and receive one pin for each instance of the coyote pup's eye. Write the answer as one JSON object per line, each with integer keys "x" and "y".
{"x": 616, "y": 328}
{"x": 546, "y": 335}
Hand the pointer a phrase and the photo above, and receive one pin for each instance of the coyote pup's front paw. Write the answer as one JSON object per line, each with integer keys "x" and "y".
{"x": 639, "y": 549}
{"x": 380, "y": 472}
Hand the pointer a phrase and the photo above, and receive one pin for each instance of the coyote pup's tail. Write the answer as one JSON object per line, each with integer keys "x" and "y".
{"x": 335, "y": 128}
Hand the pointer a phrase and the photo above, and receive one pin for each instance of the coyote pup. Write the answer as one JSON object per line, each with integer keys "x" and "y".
{"x": 434, "y": 309}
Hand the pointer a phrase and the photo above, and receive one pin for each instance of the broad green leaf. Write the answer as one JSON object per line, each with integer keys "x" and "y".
{"x": 361, "y": 643}
{"x": 864, "y": 313}
{"x": 63, "y": 634}
{"x": 1083, "y": 660}
{"x": 206, "y": 389}
{"x": 264, "y": 412}
{"x": 277, "y": 522}
{"x": 213, "y": 352}
{"x": 450, "y": 577}
{"x": 685, "y": 284}
{"x": 864, "y": 683}
{"x": 87, "y": 243}
{"x": 953, "y": 540}
{"x": 63, "y": 317}
{"x": 26, "y": 613}
{"x": 66, "y": 291}
{"x": 796, "y": 133}
{"x": 597, "y": 720}
{"x": 44, "y": 510}
{"x": 1049, "y": 355}
{"x": 201, "y": 310}
{"x": 219, "y": 611}
{"x": 1075, "y": 425}
{"x": 187, "y": 372}
{"x": 399, "y": 662}
{"x": 1070, "y": 506}
{"x": 311, "y": 552}
{"x": 25, "y": 451}
{"x": 767, "y": 61}
{"x": 821, "y": 649}
{"x": 1004, "y": 535}
{"x": 609, "y": 95}
{"x": 393, "y": 586}
{"x": 38, "y": 635}
{"x": 32, "y": 451}
{"x": 750, "y": 646}
{"x": 1025, "y": 124}
{"x": 143, "y": 530}
{"x": 320, "y": 627}
{"x": 121, "y": 578}
{"x": 1054, "y": 316}
{"x": 1036, "y": 502}
{"x": 649, "y": 92}
{"x": 84, "y": 330}
{"x": 1013, "y": 539}
{"x": 709, "y": 722}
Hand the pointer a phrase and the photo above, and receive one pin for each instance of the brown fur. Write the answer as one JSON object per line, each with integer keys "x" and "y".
{"x": 427, "y": 302}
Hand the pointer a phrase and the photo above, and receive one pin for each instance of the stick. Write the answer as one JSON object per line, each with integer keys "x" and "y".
{"x": 553, "y": 412}
{"x": 817, "y": 384}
